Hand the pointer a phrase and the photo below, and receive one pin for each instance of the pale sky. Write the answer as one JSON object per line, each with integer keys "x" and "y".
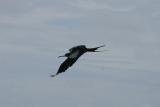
{"x": 34, "y": 32}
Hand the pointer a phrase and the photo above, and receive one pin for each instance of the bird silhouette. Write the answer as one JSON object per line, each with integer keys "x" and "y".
{"x": 73, "y": 55}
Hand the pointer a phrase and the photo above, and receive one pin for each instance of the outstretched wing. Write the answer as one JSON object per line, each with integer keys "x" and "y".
{"x": 66, "y": 64}
{"x": 72, "y": 58}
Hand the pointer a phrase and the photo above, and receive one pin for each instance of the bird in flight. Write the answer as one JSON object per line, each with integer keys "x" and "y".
{"x": 72, "y": 56}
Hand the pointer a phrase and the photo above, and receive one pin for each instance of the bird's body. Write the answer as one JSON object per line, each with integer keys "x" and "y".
{"x": 73, "y": 55}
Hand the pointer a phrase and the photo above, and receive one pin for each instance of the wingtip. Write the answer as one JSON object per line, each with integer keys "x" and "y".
{"x": 52, "y": 75}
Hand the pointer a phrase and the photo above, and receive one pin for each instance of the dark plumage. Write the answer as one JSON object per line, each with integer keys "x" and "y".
{"x": 73, "y": 55}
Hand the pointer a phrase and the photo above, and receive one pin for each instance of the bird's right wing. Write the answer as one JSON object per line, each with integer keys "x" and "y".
{"x": 66, "y": 64}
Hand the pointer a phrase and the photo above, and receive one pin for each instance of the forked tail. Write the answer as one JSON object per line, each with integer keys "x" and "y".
{"x": 100, "y": 46}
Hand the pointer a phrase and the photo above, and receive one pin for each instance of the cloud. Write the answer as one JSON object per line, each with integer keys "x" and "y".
{"x": 92, "y": 5}
{"x": 35, "y": 32}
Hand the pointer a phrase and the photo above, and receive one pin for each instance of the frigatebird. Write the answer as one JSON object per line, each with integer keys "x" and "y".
{"x": 72, "y": 56}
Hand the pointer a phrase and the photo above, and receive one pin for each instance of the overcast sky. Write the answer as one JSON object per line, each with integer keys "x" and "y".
{"x": 34, "y": 32}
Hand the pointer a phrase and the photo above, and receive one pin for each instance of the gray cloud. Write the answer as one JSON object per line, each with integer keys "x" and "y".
{"x": 33, "y": 33}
